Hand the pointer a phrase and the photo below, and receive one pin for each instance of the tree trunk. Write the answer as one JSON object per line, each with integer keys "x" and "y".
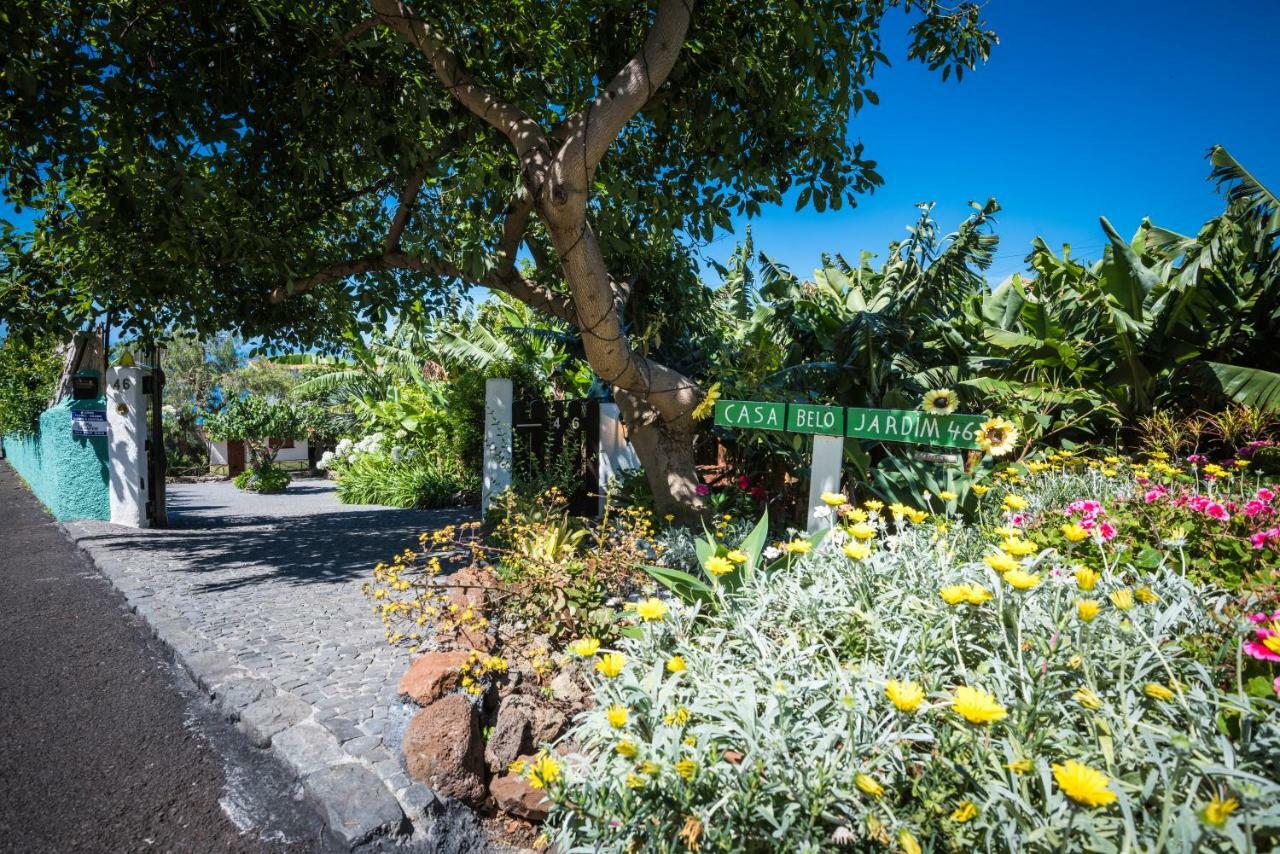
{"x": 665, "y": 450}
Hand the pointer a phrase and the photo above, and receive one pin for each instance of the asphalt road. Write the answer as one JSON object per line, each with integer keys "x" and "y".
{"x": 105, "y": 745}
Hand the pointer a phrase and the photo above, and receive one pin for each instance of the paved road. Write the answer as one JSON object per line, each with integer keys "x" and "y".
{"x": 105, "y": 745}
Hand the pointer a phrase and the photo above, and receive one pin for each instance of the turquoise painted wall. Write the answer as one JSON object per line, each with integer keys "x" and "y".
{"x": 68, "y": 474}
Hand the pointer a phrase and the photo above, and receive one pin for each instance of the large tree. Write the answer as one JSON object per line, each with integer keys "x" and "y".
{"x": 288, "y": 169}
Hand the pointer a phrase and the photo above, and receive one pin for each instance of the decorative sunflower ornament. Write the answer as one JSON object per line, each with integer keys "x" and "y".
{"x": 939, "y": 401}
{"x": 996, "y": 436}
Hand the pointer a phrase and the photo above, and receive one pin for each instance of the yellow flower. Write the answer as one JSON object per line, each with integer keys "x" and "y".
{"x": 1088, "y": 699}
{"x": 1022, "y": 579}
{"x": 898, "y": 509}
{"x": 916, "y": 516}
{"x": 946, "y": 495}
{"x": 626, "y": 749}
{"x": 834, "y": 499}
{"x": 906, "y": 696}
{"x": 1075, "y": 662}
{"x": 679, "y": 717}
{"x": 616, "y": 716}
{"x": 1083, "y": 784}
{"x": 1086, "y": 578}
{"x": 1019, "y": 766}
{"x": 737, "y": 556}
{"x": 707, "y": 405}
{"x": 585, "y": 647}
{"x": 996, "y": 436}
{"x": 1219, "y": 810}
{"x": 965, "y": 812}
{"x": 907, "y": 842}
{"x": 980, "y": 490}
{"x": 686, "y": 768}
{"x": 873, "y": 505}
{"x": 1018, "y": 547}
{"x": 953, "y": 594}
{"x": 1074, "y": 533}
{"x": 651, "y": 609}
{"x": 977, "y": 706}
{"x": 976, "y": 594}
{"x": 1014, "y": 502}
{"x": 675, "y": 664}
{"x": 855, "y": 514}
{"x": 856, "y": 551}
{"x": 1156, "y": 691}
{"x": 611, "y": 664}
{"x": 649, "y": 768}
{"x": 1001, "y": 562}
{"x": 634, "y": 781}
{"x": 862, "y": 530}
{"x": 799, "y": 547}
{"x": 1146, "y": 595}
{"x": 1122, "y": 599}
{"x": 543, "y": 771}
{"x": 1006, "y": 532}
{"x": 1087, "y": 609}
{"x": 718, "y": 566}
{"x": 868, "y": 784}
{"x": 939, "y": 401}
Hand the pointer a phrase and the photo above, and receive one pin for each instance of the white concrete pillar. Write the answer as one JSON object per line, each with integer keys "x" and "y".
{"x": 498, "y": 416}
{"x": 616, "y": 453}
{"x": 824, "y": 474}
{"x": 127, "y": 448}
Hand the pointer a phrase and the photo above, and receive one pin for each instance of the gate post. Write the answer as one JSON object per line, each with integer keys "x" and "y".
{"x": 127, "y": 449}
{"x": 498, "y": 412}
{"x": 824, "y": 474}
{"x": 616, "y": 453}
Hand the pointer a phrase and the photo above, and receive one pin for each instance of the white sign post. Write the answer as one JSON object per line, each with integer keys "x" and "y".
{"x": 824, "y": 474}
{"x": 498, "y": 451}
{"x": 616, "y": 453}
{"x": 127, "y": 447}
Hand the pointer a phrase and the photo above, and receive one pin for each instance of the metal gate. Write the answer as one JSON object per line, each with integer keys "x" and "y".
{"x": 558, "y": 438}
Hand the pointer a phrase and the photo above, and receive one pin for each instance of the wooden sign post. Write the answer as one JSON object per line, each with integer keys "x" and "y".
{"x": 830, "y": 424}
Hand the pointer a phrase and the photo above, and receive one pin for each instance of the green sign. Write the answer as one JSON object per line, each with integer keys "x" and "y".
{"x": 807, "y": 418}
{"x": 914, "y": 427}
{"x": 751, "y": 414}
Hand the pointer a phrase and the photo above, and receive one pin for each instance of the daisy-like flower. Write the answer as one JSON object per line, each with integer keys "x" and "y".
{"x": 651, "y": 609}
{"x": 868, "y": 784}
{"x": 915, "y": 516}
{"x": 939, "y": 401}
{"x": 686, "y": 768}
{"x": 873, "y": 505}
{"x": 905, "y": 696}
{"x": 1001, "y": 562}
{"x": 1018, "y": 547}
{"x": 1122, "y": 599}
{"x": 977, "y": 706}
{"x": 1086, "y": 578}
{"x": 856, "y": 551}
{"x": 1146, "y": 595}
{"x": 542, "y": 771}
{"x": 946, "y": 495}
{"x": 1074, "y": 533}
{"x": 1156, "y": 691}
{"x": 996, "y": 436}
{"x": 979, "y": 490}
{"x": 908, "y": 843}
{"x": 1020, "y": 766}
{"x": 718, "y": 566}
{"x": 1218, "y": 811}
{"x": 1087, "y": 698}
{"x": 585, "y": 647}
{"x": 799, "y": 547}
{"x": 737, "y": 556}
{"x": 834, "y": 499}
{"x": 611, "y": 664}
{"x": 707, "y": 405}
{"x": 1087, "y": 609}
{"x": 675, "y": 664}
{"x": 966, "y": 811}
{"x": 1020, "y": 579}
{"x": 862, "y": 530}
{"x": 1014, "y": 503}
{"x": 616, "y": 716}
{"x": 626, "y": 749}
{"x": 1083, "y": 784}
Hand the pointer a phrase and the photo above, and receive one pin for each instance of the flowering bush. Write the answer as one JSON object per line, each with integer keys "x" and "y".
{"x": 375, "y": 470}
{"x": 927, "y": 684}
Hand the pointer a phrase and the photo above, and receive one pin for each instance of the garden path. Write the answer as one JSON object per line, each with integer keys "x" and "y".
{"x": 267, "y": 589}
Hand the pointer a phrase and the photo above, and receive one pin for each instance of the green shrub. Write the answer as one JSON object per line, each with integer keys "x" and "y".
{"x": 28, "y": 375}
{"x": 267, "y": 479}
{"x": 422, "y": 481}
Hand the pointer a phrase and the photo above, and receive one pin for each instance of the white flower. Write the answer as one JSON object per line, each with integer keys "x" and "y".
{"x": 772, "y": 553}
{"x": 823, "y": 512}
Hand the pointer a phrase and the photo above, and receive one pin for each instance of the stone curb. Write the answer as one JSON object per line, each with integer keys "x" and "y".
{"x": 353, "y": 798}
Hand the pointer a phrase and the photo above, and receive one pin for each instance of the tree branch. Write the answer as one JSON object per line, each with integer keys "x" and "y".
{"x": 349, "y": 36}
{"x": 590, "y": 132}
{"x": 408, "y": 196}
{"x": 393, "y": 260}
{"x": 514, "y": 227}
{"x": 524, "y": 133}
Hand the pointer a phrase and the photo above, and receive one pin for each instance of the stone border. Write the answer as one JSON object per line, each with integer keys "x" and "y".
{"x": 340, "y": 782}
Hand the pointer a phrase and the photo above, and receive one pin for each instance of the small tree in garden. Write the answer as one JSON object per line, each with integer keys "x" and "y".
{"x": 278, "y": 166}
{"x": 257, "y": 421}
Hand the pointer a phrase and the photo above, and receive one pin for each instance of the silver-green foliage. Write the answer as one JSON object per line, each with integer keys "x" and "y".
{"x": 785, "y": 692}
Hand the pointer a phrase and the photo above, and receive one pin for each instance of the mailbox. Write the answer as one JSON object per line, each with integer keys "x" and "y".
{"x": 86, "y": 385}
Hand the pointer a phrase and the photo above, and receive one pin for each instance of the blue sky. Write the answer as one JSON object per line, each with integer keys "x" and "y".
{"x": 1085, "y": 108}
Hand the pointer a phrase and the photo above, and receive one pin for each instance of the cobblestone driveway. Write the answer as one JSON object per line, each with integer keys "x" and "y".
{"x": 270, "y": 587}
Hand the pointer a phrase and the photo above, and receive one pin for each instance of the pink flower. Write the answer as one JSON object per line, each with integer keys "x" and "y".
{"x": 1217, "y": 511}
{"x": 1018, "y": 520}
{"x": 1264, "y": 494}
{"x": 1254, "y": 507}
{"x": 1108, "y": 531}
{"x": 1276, "y": 685}
{"x": 1196, "y": 458}
{"x": 1199, "y": 502}
{"x": 1154, "y": 495}
{"x": 1257, "y": 650}
{"x": 702, "y": 489}
{"x": 1261, "y": 538}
